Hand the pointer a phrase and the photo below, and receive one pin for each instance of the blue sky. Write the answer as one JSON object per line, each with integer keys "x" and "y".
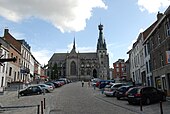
{"x": 50, "y": 26}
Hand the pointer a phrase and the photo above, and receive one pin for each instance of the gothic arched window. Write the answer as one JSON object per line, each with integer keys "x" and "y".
{"x": 73, "y": 68}
{"x": 82, "y": 72}
{"x": 88, "y": 72}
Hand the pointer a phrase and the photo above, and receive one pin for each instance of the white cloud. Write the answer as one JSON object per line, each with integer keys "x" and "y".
{"x": 152, "y": 6}
{"x": 42, "y": 56}
{"x": 66, "y": 15}
{"x": 18, "y": 35}
{"x": 133, "y": 41}
{"x": 130, "y": 46}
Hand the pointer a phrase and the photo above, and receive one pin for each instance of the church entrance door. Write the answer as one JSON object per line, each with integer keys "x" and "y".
{"x": 94, "y": 73}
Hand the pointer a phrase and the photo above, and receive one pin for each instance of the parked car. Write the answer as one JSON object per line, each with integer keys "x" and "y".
{"x": 55, "y": 84}
{"x": 108, "y": 87}
{"x": 121, "y": 91}
{"x": 46, "y": 88}
{"x": 94, "y": 81}
{"x": 31, "y": 90}
{"x": 103, "y": 83}
{"x": 50, "y": 84}
{"x": 112, "y": 90}
{"x": 146, "y": 95}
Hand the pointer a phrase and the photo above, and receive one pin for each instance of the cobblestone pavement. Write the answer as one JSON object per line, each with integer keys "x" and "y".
{"x": 74, "y": 99}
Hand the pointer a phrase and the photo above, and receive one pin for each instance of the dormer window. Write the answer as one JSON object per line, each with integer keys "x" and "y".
{"x": 167, "y": 27}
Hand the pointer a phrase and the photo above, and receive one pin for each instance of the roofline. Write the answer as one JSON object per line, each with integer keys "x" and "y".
{"x": 154, "y": 28}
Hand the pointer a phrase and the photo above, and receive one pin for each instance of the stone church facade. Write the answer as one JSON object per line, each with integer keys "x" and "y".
{"x": 81, "y": 66}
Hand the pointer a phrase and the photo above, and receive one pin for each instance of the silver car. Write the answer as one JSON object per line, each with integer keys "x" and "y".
{"x": 46, "y": 88}
{"x": 112, "y": 90}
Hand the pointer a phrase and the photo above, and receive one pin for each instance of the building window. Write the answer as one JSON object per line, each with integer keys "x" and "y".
{"x": 73, "y": 68}
{"x": 10, "y": 71}
{"x": 16, "y": 58}
{"x": 150, "y": 66}
{"x": 147, "y": 67}
{"x": 159, "y": 39}
{"x": 82, "y": 72}
{"x": 117, "y": 69}
{"x": 123, "y": 69}
{"x": 145, "y": 51}
{"x": 167, "y": 27}
{"x": 11, "y": 55}
{"x": 148, "y": 47}
{"x": 162, "y": 60}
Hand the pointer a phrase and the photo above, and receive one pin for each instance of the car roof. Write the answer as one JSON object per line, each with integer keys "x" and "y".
{"x": 127, "y": 86}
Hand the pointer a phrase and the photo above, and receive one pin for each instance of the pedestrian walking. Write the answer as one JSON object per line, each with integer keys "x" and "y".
{"x": 94, "y": 86}
{"x": 82, "y": 82}
{"x": 89, "y": 83}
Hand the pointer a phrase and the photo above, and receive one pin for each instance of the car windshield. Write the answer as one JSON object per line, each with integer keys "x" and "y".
{"x": 134, "y": 91}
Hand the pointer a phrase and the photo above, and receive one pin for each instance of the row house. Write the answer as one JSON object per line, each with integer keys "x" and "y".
{"x": 149, "y": 57}
{"x": 13, "y": 67}
{"x": 128, "y": 78}
{"x": 25, "y": 62}
{"x": 139, "y": 60}
{"x": 4, "y": 52}
{"x": 25, "y": 68}
{"x": 136, "y": 59}
{"x": 119, "y": 71}
{"x": 24, "y": 49}
{"x": 159, "y": 50}
{"x": 37, "y": 70}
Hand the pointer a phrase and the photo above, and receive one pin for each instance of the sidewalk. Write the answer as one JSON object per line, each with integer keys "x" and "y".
{"x": 11, "y": 104}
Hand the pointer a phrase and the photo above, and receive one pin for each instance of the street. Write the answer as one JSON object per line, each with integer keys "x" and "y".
{"x": 74, "y": 99}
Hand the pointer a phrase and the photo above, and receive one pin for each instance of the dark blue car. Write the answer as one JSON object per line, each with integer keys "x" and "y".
{"x": 103, "y": 83}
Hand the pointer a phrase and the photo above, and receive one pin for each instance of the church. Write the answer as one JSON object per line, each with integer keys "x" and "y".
{"x": 81, "y": 66}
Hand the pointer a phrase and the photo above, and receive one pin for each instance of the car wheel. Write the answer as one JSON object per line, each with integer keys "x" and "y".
{"x": 46, "y": 91}
{"x": 129, "y": 102}
{"x": 148, "y": 101}
{"x": 107, "y": 95}
{"x": 38, "y": 93}
{"x": 114, "y": 94}
{"x": 118, "y": 98}
{"x": 21, "y": 94}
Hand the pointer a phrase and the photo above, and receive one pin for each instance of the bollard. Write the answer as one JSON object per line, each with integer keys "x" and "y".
{"x": 43, "y": 91}
{"x": 44, "y": 103}
{"x": 161, "y": 107}
{"x": 18, "y": 94}
{"x": 38, "y": 109}
{"x": 141, "y": 105}
{"x": 42, "y": 107}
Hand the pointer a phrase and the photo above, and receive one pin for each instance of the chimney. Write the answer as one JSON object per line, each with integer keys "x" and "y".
{"x": 6, "y": 31}
{"x": 159, "y": 15}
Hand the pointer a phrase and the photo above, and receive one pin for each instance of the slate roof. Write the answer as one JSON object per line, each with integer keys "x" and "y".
{"x": 62, "y": 56}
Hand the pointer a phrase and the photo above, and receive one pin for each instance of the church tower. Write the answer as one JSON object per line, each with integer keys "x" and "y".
{"x": 102, "y": 55}
{"x": 72, "y": 63}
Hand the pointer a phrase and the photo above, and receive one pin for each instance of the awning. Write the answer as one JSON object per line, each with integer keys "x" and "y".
{"x": 44, "y": 77}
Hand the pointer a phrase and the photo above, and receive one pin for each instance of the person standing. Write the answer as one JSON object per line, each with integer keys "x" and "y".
{"x": 82, "y": 82}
